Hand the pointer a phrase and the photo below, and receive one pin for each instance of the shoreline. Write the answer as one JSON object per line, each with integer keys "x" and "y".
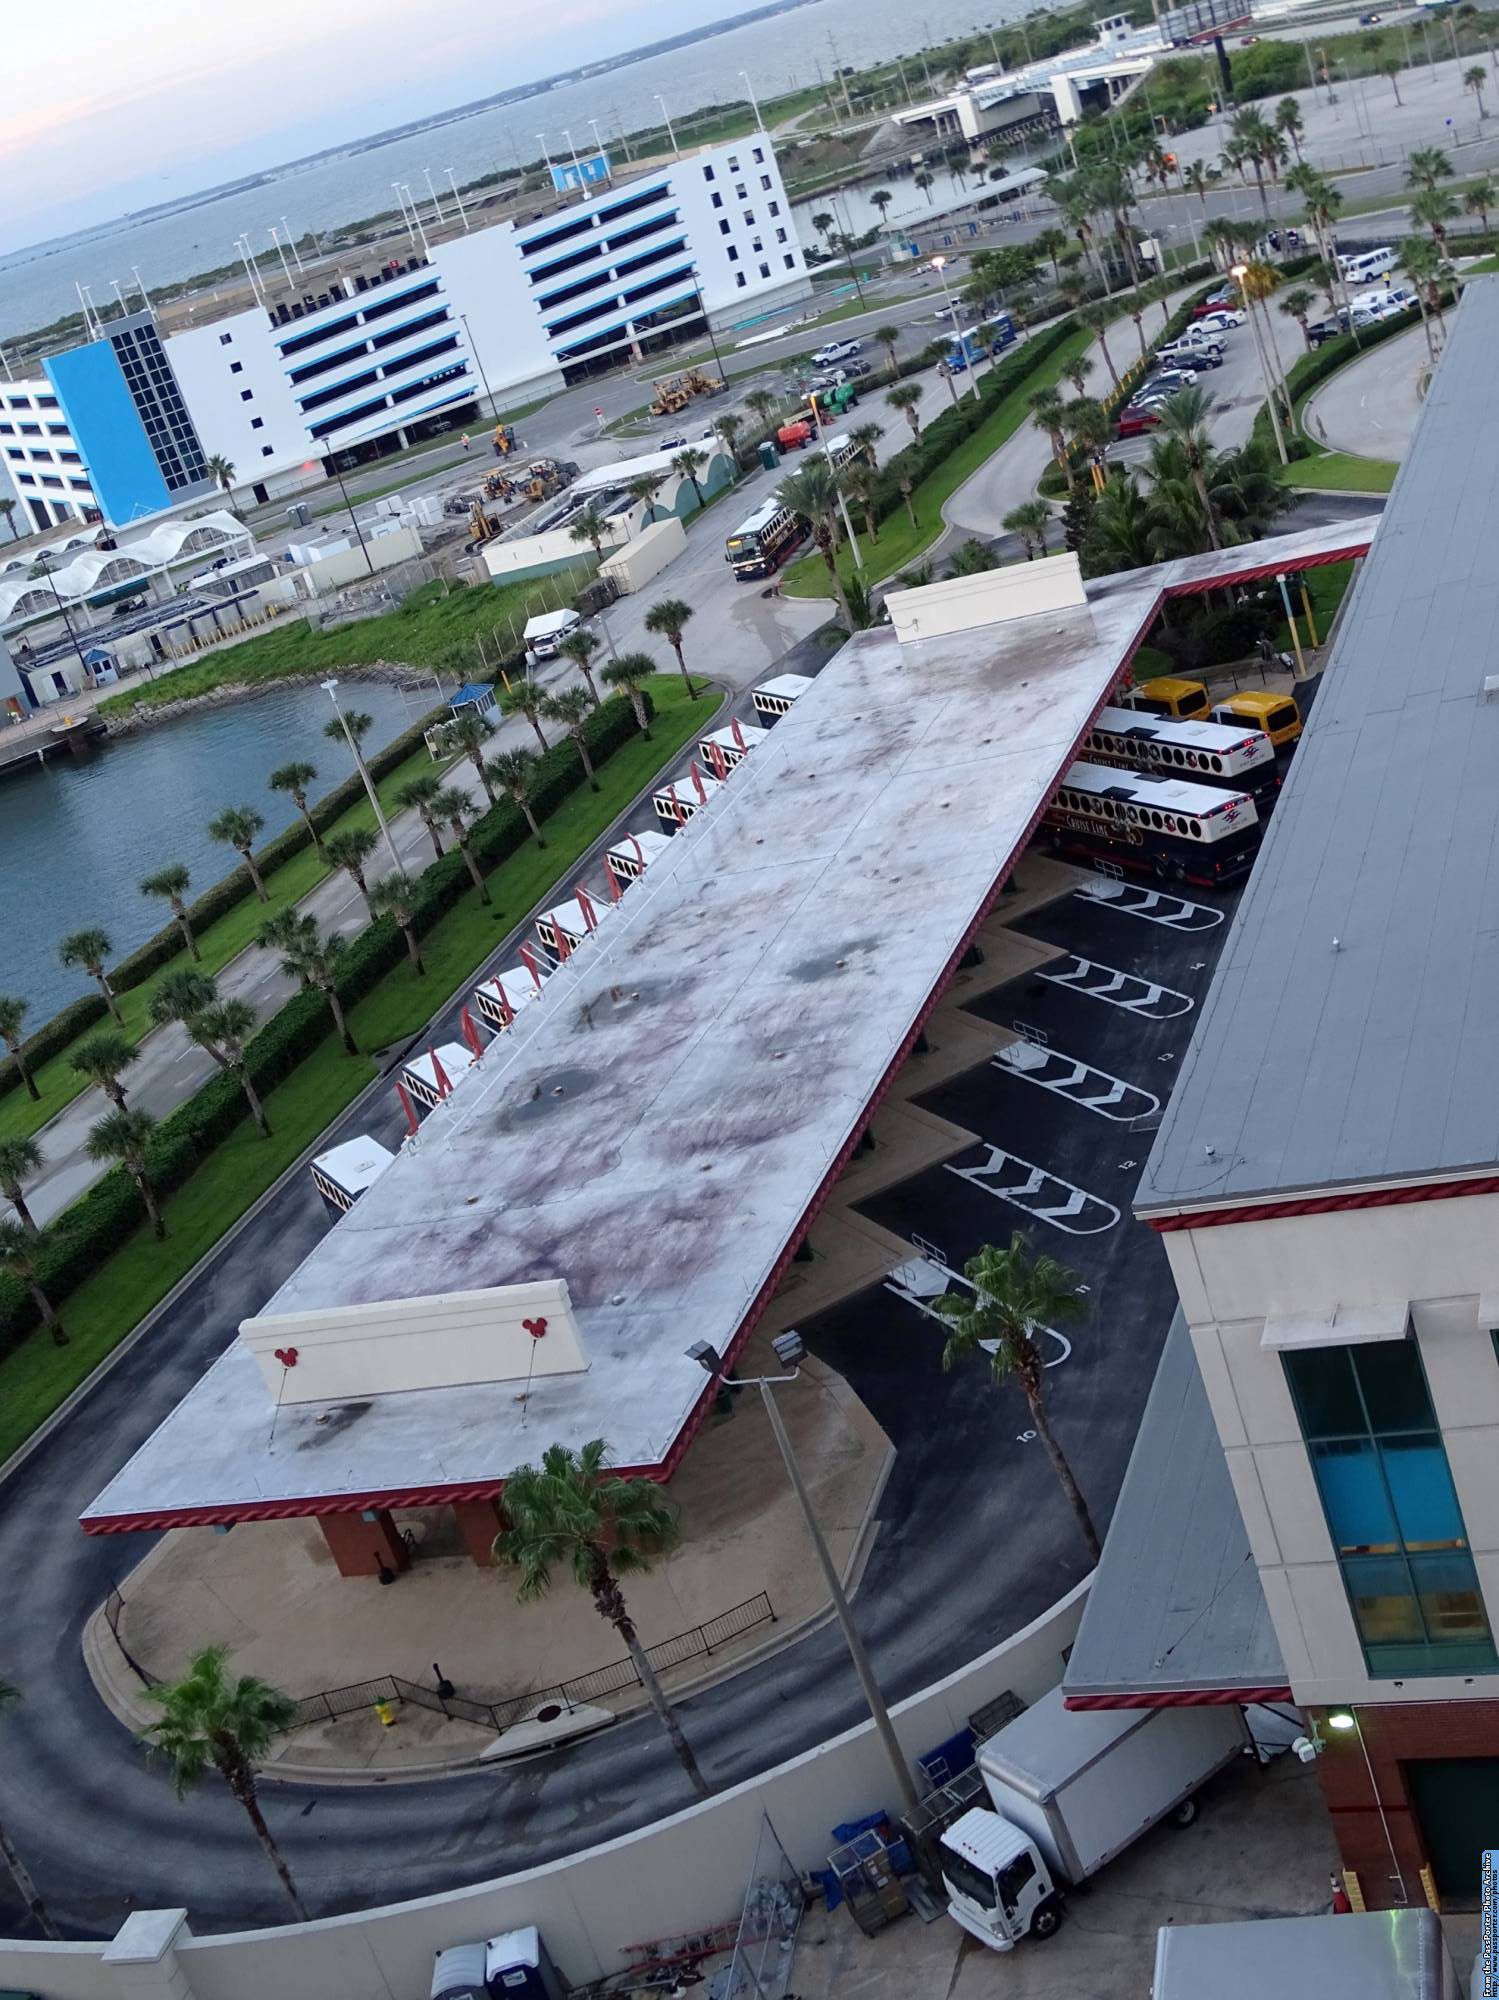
{"x": 151, "y": 715}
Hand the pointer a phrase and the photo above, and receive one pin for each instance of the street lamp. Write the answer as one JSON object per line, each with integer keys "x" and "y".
{"x": 666, "y": 120}
{"x": 1241, "y": 272}
{"x": 1343, "y": 1720}
{"x": 790, "y": 1349}
{"x": 330, "y": 688}
{"x": 44, "y": 564}
{"x": 939, "y": 265}
{"x": 285, "y": 267}
{"x": 331, "y": 464}
{"x": 462, "y": 211}
{"x": 401, "y": 198}
{"x": 416, "y": 218}
{"x": 723, "y": 380}
{"x": 432, "y": 191}
{"x": 296, "y": 253}
{"x": 754, "y": 101}
{"x": 478, "y": 359}
{"x": 602, "y": 151}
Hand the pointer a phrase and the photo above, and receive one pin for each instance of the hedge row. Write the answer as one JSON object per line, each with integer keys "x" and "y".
{"x": 110, "y": 1211}
{"x": 85, "y": 1012}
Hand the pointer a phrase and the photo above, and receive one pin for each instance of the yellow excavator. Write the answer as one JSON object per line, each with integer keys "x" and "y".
{"x": 504, "y": 440}
{"x": 671, "y": 396}
{"x": 481, "y": 526}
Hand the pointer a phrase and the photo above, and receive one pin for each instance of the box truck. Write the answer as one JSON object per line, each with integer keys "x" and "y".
{"x": 1382, "y": 1955}
{"x": 1069, "y": 1791}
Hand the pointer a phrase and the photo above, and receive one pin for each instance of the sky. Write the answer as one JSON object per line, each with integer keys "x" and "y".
{"x": 109, "y": 107}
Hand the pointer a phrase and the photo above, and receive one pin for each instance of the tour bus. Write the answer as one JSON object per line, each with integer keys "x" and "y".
{"x": 501, "y": 998}
{"x": 572, "y": 923}
{"x": 429, "y": 1077}
{"x": 969, "y": 345}
{"x": 1153, "y": 825}
{"x": 779, "y": 695}
{"x": 677, "y": 802}
{"x": 724, "y": 748}
{"x": 631, "y": 855}
{"x": 766, "y": 539}
{"x": 1204, "y": 753}
{"x": 344, "y": 1172}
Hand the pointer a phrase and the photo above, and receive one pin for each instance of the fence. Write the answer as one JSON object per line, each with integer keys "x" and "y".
{"x": 698, "y": 1643}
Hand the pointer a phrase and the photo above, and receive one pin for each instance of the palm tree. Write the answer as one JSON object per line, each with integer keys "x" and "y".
{"x": 416, "y": 795}
{"x": 646, "y": 485}
{"x": 19, "y": 1160}
{"x": 20, "y": 1874}
{"x": 766, "y": 406}
{"x": 358, "y": 725}
{"x": 293, "y": 779}
{"x": 824, "y": 224}
{"x": 125, "y": 1136}
{"x": 580, "y": 647}
{"x": 925, "y": 182}
{"x": 12, "y": 1014}
{"x": 454, "y": 805}
{"x": 1089, "y": 426}
{"x": 90, "y": 948}
{"x": 857, "y": 484}
{"x": 1480, "y": 198}
{"x": 7, "y": 510}
{"x": 572, "y": 708}
{"x": 629, "y": 675}
{"x": 590, "y": 525}
{"x": 865, "y": 439}
{"x": 524, "y": 697}
{"x": 1474, "y": 79}
{"x": 970, "y": 558}
{"x": 394, "y": 897}
{"x": 1391, "y": 67}
{"x": 1016, "y": 1297}
{"x": 223, "y": 470}
{"x": 238, "y": 826}
{"x": 349, "y": 849}
{"x": 1030, "y": 523}
{"x": 1288, "y": 120}
{"x": 1184, "y": 420}
{"x": 1426, "y": 166}
{"x": 882, "y": 198}
{"x": 907, "y": 399}
{"x": 102, "y": 1058}
{"x": 313, "y": 957}
{"x": 571, "y": 1510}
{"x": 221, "y": 1028}
{"x": 171, "y": 883}
{"x": 1051, "y": 243}
{"x": 1049, "y": 414}
{"x": 1077, "y": 371}
{"x": 813, "y": 493}
{"x": 687, "y": 465}
{"x": 1195, "y": 179}
{"x": 906, "y": 482}
{"x": 1296, "y": 305}
{"x": 467, "y": 734}
{"x": 514, "y": 771}
{"x": 1097, "y": 320}
{"x": 888, "y": 337}
{"x": 1434, "y": 208}
{"x": 668, "y": 620}
{"x": 212, "y": 1718}
{"x": 1425, "y": 266}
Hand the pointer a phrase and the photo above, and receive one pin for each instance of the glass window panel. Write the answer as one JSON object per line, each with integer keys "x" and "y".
{"x": 1326, "y": 1395}
{"x": 1353, "y": 1495}
{"x": 1420, "y": 1485}
{"x": 1384, "y": 1603}
{"x": 1450, "y": 1600}
{"x": 1394, "y": 1386}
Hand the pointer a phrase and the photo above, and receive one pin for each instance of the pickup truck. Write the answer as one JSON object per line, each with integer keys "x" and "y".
{"x": 836, "y": 351}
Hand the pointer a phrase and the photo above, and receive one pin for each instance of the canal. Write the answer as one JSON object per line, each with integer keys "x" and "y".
{"x": 76, "y": 837}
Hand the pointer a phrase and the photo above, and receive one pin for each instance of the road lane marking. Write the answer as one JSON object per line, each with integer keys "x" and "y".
{"x": 1152, "y": 906}
{"x": 1097, "y": 981}
{"x": 1095, "y": 1090}
{"x": 1037, "y": 1193}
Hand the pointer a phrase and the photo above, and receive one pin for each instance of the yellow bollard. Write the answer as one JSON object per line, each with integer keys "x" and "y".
{"x": 1355, "y": 1890}
{"x": 1311, "y": 623}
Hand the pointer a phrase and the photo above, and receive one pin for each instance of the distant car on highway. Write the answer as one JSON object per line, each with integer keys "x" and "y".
{"x": 835, "y": 351}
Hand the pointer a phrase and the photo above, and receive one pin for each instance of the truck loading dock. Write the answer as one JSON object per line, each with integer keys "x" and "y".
{"x": 660, "y": 1135}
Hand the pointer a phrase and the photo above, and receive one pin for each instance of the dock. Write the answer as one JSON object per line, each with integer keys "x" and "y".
{"x": 39, "y": 740}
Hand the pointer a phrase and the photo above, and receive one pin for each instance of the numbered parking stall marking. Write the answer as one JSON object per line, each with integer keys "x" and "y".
{"x": 1079, "y": 1083}
{"x": 1096, "y": 981}
{"x": 919, "y": 1280}
{"x": 1152, "y": 906}
{"x": 1035, "y": 1192}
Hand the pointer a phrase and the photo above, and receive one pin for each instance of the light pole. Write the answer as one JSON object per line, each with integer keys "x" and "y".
{"x": 135, "y": 273}
{"x": 43, "y": 563}
{"x": 577, "y": 168}
{"x": 1343, "y": 1719}
{"x": 462, "y": 211}
{"x": 416, "y": 218}
{"x": 602, "y": 151}
{"x": 1241, "y": 273}
{"x": 432, "y": 191}
{"x": 666, "y": 120}
{"x": 330, "y": 688}
{"x": 285, "y": 267}
{"x": 545, "y": 153}
{"x": 242, "y": 245}
{"x": 790, "y": 1349}
{"x": 723, "y": 379}
{"x": 115, "y": 288}
{"x": 331, "y": 464}
{"x": 296, "y": 253}
{"x": 478, "y": 360}
{"x": 754, "y": 101}
{"x": 401, "y": 198}
{"x": 939, "y": 265}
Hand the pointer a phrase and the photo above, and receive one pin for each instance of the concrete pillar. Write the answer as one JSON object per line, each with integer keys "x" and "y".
{"x": 143, "y": 1956}
{"x": 360, "y": 1544}
{"x": 479, "y": 1521}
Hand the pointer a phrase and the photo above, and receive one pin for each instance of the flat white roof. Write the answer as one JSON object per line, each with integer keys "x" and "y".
{"x": 356, "y": 1163}
{"x": 791, "y": 686}
{"x": 657, "y": 1131}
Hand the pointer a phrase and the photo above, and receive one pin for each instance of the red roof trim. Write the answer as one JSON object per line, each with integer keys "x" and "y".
{"x": 1186, "y": 1698}
{"x": 1323, "y": 1204}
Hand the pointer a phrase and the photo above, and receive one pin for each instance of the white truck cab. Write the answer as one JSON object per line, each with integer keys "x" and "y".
{"x": 998, "y": 1884}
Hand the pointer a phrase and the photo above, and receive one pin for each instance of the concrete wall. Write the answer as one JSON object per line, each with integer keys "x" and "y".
{"x": 540, "y": 555}
{"x": 333, "y": 571}
{"x": 678, "y": 1875}
{"x": 1441, "y": 1256}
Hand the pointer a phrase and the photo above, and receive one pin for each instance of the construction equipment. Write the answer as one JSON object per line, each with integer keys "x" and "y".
{"x": 696, "y": 383}
{"x": 481, "y": 526}
{"x": 544, "y": 478}
{"x": 504, "y": 440}
{"x": 671, "y": 395}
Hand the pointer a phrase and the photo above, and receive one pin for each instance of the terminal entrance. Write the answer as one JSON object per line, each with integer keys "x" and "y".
{"x": 1457, "y": 1809}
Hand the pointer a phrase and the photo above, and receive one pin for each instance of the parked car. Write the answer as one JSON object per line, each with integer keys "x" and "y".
{"x": 835, "y": 351}
{"x": 1214, "y": 302}
{"x": 1223, "y": 319}
{"x": 1166, "y": 382}
{"x": 1137, "y": 418}
{"x": 1197, "y": 335}
{"x": 1197, "y": 359}
{"x": 1323, "y": 330}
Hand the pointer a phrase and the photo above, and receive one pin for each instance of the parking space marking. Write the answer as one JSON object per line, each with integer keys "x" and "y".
{"x": 922, "y": 1279}
{"x": 1035, "y": 1192}
{"x": 1095, "y": 1090}
{"x": 1096, "y": 981}
{"x": 1153, "y": 906}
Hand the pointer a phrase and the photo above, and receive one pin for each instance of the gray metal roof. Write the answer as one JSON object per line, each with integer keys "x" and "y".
{"x": 1380, "y": 1955}
{"x": 1350, "y": 1032}
{"x": 1176, "y": 1606}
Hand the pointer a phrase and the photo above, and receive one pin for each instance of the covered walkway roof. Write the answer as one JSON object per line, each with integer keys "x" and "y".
{"x": 662, "y": 1128}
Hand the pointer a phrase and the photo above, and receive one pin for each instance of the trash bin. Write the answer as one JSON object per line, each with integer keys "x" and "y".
{"x": 770, "y": 457}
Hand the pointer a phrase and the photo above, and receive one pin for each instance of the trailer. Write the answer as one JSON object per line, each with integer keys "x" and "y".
{"x": 1380, "y": 1955}
{"x": 431, "y": 1076}
{"x": 1069, "y": 1791}
{"x": 778, "y": 696}
{"x": 640, "y": 561}
{"x": 502, "y": 997}
{"x": 570, "y": 924}
{"x": 629, "y": 858}
{"x": 723, "y": 749}
{"x": 345, "y": 1172}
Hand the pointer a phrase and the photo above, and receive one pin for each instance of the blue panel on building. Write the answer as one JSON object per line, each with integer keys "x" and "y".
{"x": 590, "y": 171}
{"x": 103, "y": 418}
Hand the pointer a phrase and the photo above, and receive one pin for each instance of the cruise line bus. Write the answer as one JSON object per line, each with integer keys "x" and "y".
{"x": 774, "y": 531}
{"x": 969, "y": 345}
{"x": 1204, "y": 753}
{"x": 1152, "y": 825}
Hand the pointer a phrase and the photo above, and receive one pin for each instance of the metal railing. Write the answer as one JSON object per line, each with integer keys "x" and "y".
{"x": 698, "y": 1643}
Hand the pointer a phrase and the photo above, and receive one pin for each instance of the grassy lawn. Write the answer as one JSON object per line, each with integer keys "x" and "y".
{"x": 37, "y": 1376}
{"x": 59, "y": 1084}
{"x": 429, "y": 625}
{"x": 469, "y": 932}
{"x": 901, "y": 540}
{"x": 1341, "y": 472}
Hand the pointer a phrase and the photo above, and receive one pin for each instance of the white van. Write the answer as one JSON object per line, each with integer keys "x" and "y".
{"x": 1368, "y": 264}
{"x": 543, "y": 635}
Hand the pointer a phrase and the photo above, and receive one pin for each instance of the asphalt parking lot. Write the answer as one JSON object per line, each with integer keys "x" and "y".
{"x": 1064, "y": 1131}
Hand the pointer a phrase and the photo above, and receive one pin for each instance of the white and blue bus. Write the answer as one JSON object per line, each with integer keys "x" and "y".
{"x": 968, "y": 344}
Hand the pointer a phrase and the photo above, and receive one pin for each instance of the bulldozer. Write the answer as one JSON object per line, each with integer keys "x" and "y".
{"x": 671, "y": 396}
{"x": 696, "y": 383}
{"x": 544, "y": 478}
{"x": 504, "y": 440}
